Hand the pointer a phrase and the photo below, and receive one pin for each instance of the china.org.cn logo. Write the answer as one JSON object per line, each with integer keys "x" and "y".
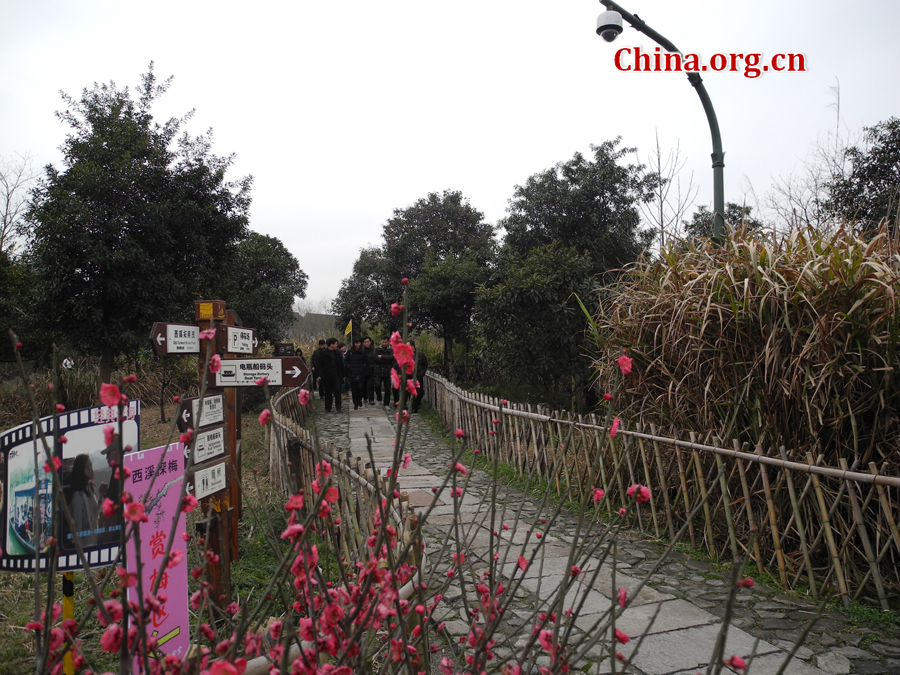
{"x": 633, "y": 60}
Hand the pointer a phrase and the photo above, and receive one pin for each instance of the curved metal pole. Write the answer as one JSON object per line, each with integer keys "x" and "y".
{"x": 718, "y": 155}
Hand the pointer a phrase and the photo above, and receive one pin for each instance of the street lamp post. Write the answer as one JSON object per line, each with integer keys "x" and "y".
{"x": 609, "y": 32}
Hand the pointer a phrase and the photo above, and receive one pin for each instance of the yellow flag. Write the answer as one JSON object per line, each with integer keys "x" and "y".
{"x": 349, "y": 327}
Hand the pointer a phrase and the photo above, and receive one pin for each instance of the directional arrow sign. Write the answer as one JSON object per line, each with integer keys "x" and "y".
{"x": 209, "y": 480}
{"x": 209, "y": 444}
{"x": 213, "y": 412}
{"x": 288, "y": 371}
{"x": 237, "y": 340}
{"x": 174, "y": 338}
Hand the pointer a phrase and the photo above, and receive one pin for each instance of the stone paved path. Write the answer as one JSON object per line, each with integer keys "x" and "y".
{"x": 686, "y": 595}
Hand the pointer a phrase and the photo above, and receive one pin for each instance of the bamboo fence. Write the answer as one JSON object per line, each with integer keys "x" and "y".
{"x": 815, "y": 528}
{"x": 294, "y": 453}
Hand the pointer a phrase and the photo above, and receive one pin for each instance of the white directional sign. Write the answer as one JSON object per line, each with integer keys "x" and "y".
{"x": 210, "y": 480}
{"x": 209, "y": 444}
{"x": 241, "y": 340}
{"x": 173, "y": 338}
{"x": 213, "y": 412}
{"x": 286, "y": 371}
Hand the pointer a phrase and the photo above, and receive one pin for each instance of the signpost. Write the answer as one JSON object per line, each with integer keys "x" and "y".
{"x": 216, "y": 472}
{"x": 287, "y": 371}
{"x": 236, "y": 340}
{"x": 213, "y": 412}
{"x": 209, "y": 444}
{"x": 210, "y": 480}
{"x": 174, "y": 338}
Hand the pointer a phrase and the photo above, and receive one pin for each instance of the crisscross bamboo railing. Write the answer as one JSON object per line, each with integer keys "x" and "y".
{"x": 293, "y": 456}
{"x": 813, "y": 526}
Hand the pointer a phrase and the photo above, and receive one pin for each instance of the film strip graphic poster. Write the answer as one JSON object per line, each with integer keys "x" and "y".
{"x": 87, "y": 479}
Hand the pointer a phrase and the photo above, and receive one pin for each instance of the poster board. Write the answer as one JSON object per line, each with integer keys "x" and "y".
{"x": 25, "y": 502}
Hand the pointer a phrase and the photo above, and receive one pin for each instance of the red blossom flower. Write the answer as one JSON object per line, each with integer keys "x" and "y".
{"x": 404, "y": 281}
{"x": 624, "y": 364}
{"x": 304, "y": 397}
{"x": 395, "y": 379}
{"x": 614, "y": 428}
{"x": 261, "y": 381}
{"x": 135, "y": 513}
{"x": 746, "y": 583}
{"x": 56, "y": 464}
{"x": 294, "y": 502}
{"x": 109, "y": 508}
{"x": 60, "y": 408}
{"x": 111, "y": 639}
{"x": 407, "y": 458}
{"x": 129, "y": 379}
{"x": 113, "y": 609}
{"x": 110, "y": 395}
{"x": 215, "y": 363}
{"x": 598, "y": 494}
{"x": 331, "y": 495}
{"x": 640, "y": 492}
{"x": 188, "y": 503}
{"x": 622, "y": 512}
{"x": 208, "y": 334}
{"x": 607, "y": 397}
{"x": 186, "y": 436}
{"x": 736, "y": 662}
{"x": 265, "y": 416}
{"x": 622, "y": 638}
{"x": 459, "y": 467}
{"x": 109, "y": 434}
{"x": 459, "y": 433}
{"x": 396, "y": 309}
{"x": 623, "y": 596}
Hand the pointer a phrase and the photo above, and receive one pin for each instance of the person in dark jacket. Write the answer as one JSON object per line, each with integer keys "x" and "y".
{"x": 369, "y": 388}
{"x": 331, "y": 374}
{"x": 384, "y": 361}
{"x": 421, "y": 362}
{"x": 355, "y": 362}
{"x": 314, "y": 365}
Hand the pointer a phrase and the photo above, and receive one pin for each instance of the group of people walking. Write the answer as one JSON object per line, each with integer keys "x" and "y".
{"x": 366, "y": 370}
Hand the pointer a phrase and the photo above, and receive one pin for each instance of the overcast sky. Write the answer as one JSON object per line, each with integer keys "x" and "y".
{"x": 344, "y": 111}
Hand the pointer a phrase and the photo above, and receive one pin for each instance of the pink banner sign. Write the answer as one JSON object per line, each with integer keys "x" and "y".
{"x": 156, "y": 481}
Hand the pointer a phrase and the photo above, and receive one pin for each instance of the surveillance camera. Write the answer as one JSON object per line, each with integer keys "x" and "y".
{"x": 609, "y": 25}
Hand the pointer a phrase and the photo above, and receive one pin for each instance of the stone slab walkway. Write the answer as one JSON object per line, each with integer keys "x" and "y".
{"x": 679, "y": 611}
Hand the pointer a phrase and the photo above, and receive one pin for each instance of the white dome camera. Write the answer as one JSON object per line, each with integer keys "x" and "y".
{"x": 609, "y": 25}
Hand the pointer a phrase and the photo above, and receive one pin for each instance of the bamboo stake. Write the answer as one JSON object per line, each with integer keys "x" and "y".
{"x": 662, "y": 482}
{"x": 801, "y": 530}
{"x": 867, "y": 545}
{"x": 686, "y": 497}
{"x": 598, "y": 443}
{"x": 886, "y": 508}
{"x": 829, "y": 538}
{"x": 751, "y": 520}
{"x": 773, "y": 522}
{"x": 707, "y": 515}
{"x": 726, "y": 503}
{"x": 648, "y": 482}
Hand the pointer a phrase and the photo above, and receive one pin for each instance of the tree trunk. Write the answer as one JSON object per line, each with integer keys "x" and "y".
{"x": 106, "y": 364}
{"x": 162, "y": 393}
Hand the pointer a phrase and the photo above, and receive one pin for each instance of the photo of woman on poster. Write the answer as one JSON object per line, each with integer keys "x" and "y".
{"x": 82, "y": 500}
